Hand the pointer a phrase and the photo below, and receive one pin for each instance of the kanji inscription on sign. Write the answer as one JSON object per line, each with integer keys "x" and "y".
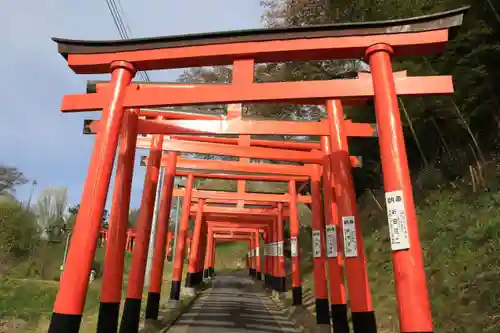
{"x": 293, "y": 246}
{"x": 316, "y": 242}
{"x": 331, "y": 241}
{"x": 396, "y": 216}
{"x": 350, "y": 242}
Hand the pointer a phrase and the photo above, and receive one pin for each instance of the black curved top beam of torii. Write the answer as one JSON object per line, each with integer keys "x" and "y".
{"x": 421, "y": 24}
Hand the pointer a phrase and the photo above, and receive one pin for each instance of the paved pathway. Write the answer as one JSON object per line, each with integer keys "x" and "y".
{"x": 229, "y": 307}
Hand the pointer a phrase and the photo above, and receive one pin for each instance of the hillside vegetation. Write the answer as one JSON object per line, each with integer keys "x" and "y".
{"x": 460, "y": 237}
{"x": 453, "y": 147}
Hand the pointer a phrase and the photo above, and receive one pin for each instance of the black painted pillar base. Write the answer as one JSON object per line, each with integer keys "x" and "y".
{"x": 153, "y": 305}
{"x": 190, "y": 280}
{"x": 364, "y": 322}
{"x": 249, "y": 272}
{"x": 108, "y": 317}
{"x": 205, "y": 273}
{"x": 212, "y": 272}
{"x": 272, "y": 281}
{"x": 281, "y": 284}
{"x": 199, "y": 277}
{"x": 297, "y": 296}
{"x": 175, "y": 290}
{"x": 66, "y": 323}
{"x": 323, "y": 311}
{"x": 131, "y": 316}
{"x": 339, "y": 318}
{"x": 259, "y": 276}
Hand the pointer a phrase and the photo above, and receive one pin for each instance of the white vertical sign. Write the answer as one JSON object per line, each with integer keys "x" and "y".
{"x": 257, "y": 252}
{"x": 350, "y": 243}
{"x": 396, "y": 216}
{"x": 331, "y": 241}
{"x": 316, "y": 243}
{"x": 293, "y": 247}
{"x": 279, "y": 249}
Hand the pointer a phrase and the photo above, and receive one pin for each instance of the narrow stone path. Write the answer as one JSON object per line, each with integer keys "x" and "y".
{"x": 229, "y": 307}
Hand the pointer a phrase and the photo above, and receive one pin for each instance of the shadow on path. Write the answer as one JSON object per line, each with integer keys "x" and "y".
{"x": 231, "y": 307}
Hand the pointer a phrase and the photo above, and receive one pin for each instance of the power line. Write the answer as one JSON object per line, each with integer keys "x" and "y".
{"x": 122, "y": 13}
{"x": 118, "y": 14}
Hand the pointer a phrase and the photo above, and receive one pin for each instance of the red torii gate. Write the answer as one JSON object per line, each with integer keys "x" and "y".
{"x": 254, "y": 245}
{"x": 375, "y": 41}
{"x": 131, "y": 233}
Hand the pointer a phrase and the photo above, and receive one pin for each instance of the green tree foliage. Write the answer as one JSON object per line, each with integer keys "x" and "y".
{"x": 18, "y": 230}
{"x": 10, "y": 177}
{"x": 447, "y": 134}
{"x": 133, "y": 217}
{"x": 451, "y": 132}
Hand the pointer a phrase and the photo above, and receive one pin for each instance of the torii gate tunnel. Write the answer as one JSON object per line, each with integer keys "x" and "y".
{"x": 128, "y": 110}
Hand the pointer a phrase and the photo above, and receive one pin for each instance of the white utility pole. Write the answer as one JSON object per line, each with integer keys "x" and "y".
{"x": 149, "y": 262}
{"x": 177, "y": 219}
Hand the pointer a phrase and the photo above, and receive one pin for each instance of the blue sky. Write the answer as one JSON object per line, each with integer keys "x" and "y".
{"x": 37, "y": 138}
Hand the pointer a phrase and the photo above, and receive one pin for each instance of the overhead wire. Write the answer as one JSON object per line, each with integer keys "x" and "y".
{"x": 122, "y": 13}
{"x": 118, "y": 14}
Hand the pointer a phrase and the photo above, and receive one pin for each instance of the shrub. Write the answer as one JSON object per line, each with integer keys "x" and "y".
{"x": 18, "y": 230}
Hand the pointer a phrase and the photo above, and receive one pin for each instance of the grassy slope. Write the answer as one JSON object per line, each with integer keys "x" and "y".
{"x": 460, "y": 235}
{"x": 228, "y": 255}
{"x": 32, "y": 300}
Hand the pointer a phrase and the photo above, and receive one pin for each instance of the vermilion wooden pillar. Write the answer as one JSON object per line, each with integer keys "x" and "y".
{"x": 258, "y": 268}
{"x": 132, "y": 309}
{"x": 214, "y": 252}
{"x": 411, "y": 288}
{"x": 271, "y": 254}
{"x": 159, "y": 254}
{"x": 127, "y": 245}
{"x": 267, "y": 272}
{"x": 333, "y": 254}
{"x": 168, "y": 249}
{"x": 255, "y": 258}
{"x": 363, "y": 318}
{"x": 318, "y": 241}
{"x": 201, "y": 253}
{"x": 195, "y": 244}
{"x": 70, "y": 298}
{"x": 208, "y": 254}
{"x": 280, "y": 256}
{"x": 188, "y": 245}
{"x": 251, "y": 258}
{"x": 181, "y": 241}
{"x": 112, "y": 279}
{"x": 294, "y": 245}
